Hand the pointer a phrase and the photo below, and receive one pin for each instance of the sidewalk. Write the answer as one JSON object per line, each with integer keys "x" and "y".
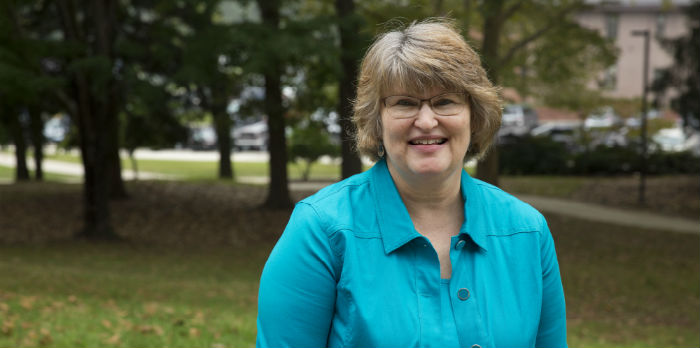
{"x": 75, "y": 169}
{"x": 627, "y": 217}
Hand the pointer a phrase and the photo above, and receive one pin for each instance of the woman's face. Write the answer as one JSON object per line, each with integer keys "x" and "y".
{"x": 427, "y": 143}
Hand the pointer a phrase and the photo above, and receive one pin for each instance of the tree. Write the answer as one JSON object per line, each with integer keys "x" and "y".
{"x": 278, "y": 192}
{"x": 308, "y": 142}
{"x": 89, "y": 28}
{"x": 211, "y": 68}
{"x": 509, "y": 27}
{"x": 684, "y": 73}
{"x": 24, "y": 87}
{"x": 351, "y": 51}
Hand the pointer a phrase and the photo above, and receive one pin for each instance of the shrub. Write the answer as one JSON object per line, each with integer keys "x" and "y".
{"x": 533, "y": 155}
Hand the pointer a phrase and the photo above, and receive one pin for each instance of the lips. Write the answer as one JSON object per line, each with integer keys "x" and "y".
{"x": 428, "y": 141}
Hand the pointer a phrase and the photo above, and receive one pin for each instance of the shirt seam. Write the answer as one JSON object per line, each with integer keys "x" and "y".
{"x": 509, "y": 234}
{"x": 331, "y": 246}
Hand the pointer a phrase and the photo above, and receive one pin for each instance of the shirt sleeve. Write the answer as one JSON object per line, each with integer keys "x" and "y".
{"x": 297, "y": 291}
{"x": 552, "y": 328}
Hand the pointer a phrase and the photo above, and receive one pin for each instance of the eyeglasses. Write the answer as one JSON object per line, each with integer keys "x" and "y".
{"x": 447, "y": 104}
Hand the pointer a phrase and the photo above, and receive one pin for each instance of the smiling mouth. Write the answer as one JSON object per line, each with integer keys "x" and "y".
{"x": 428, "y": 141}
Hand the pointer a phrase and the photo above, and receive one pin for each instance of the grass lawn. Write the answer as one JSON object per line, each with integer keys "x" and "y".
{"x": 188, "y": 275}
{"x": 196, "y": 170}
{"x": 77, "y": 294}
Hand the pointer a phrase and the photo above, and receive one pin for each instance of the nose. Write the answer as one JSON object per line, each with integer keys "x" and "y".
{"x": 426, "y": 117}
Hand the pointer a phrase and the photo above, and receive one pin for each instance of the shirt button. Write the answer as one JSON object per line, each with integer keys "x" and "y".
{"x": 463, "y": 294}
{"x": 460, "y": 244}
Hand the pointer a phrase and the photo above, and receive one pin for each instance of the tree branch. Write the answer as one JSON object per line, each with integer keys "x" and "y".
{"x": 553, "y": 22}
{"x": 512, "y": 9}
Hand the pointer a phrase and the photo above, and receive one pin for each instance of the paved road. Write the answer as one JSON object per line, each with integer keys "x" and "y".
{"x": 581, "y": 210}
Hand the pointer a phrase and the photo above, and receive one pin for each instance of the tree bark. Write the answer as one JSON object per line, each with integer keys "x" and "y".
{"x": 487, "y": 168}
{"x": 349, "y": 56}
{"x": 278, "y": 191}
{"x": 18, "y": 137}
{"x": 93, "y": 115}
{"x": 36, "y": 126}
{"x": 222, "y": 126}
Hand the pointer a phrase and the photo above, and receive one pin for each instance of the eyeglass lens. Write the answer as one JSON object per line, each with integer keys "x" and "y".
{"x": 447, "y": 104}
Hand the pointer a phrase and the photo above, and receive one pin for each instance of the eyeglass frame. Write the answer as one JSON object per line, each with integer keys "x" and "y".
{"x": 430, "y": 104}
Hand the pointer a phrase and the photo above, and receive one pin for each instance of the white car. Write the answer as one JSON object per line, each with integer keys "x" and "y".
{"x": 251, "y": 137}
{"x": 603, "y": 118}
{"x": 517, "y": 120}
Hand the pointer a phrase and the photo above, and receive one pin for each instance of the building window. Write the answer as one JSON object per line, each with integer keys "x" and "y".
{"x": 660, "y": 25}
{"x": 611, "y": 23}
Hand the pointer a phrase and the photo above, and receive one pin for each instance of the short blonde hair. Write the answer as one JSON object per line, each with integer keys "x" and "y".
{"x": 424, "y": 55}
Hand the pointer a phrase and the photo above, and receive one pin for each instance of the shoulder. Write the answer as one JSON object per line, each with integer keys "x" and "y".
{"x": 507, "y": 213}
{"x": 343, "y": 204}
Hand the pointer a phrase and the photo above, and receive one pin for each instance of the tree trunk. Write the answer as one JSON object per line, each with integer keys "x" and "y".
{"x": 349, "y": 56}
{"x": 117, "y": 190}
{"x": 487, "y": 169}
{"x": 36, "y": 126}
{"x": 466, "y": 21}
{"x": 18, "y": 137}
{"x": 134, "y": 164}
{"x": 93, "y": 115}
{"x": 222, "y": 126}
{"x": 278, "y": 191}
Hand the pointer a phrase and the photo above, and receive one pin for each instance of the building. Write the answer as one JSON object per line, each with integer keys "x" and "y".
{"x": 616, "y": 20}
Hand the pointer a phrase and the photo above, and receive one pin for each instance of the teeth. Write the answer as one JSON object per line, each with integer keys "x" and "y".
{"x": 427, "y": 141}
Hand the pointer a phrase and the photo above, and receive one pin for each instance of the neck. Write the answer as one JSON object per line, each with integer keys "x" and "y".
{"x": 428, "y": 193}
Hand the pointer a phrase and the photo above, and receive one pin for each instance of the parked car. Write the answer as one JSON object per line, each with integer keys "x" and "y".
{"x": 251, "y": 137}
{"x": 676, "y": 140}
{"x": 518, "y": 120}
{"x": 202, "y": 138}
{"x": 567, "y": 134}
{"x": 602, "y": 118}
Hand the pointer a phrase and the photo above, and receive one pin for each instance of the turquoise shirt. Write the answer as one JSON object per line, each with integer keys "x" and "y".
{"x": 350, "y": 270}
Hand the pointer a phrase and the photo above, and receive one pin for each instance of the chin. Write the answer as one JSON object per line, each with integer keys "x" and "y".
{"x": 431, "y": 168}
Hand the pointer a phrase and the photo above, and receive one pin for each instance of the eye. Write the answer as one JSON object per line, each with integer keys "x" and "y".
{"x": 403, "y": 101}
{"x": 444, "y": 101}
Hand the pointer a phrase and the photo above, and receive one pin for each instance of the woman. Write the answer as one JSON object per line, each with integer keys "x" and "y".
{"x": 414, "y": 252}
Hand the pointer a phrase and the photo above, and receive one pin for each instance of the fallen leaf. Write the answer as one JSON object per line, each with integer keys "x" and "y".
{"x": 107, "y": 324}
{"x": 194, "y": 332}
{"x": 8, "y": 327}
{"x": 198, "y": 318}
{"x": 150, "y": 308}
{"x": 46, "y": 338}
{"x": 114, "y": 339}
{"x": 27, "y": 302}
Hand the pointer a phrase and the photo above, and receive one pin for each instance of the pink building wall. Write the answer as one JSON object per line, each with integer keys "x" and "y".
{"x": 636, "y": 15}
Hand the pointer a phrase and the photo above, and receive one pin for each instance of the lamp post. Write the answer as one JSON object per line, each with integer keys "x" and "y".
{"x": 643, "y": 169}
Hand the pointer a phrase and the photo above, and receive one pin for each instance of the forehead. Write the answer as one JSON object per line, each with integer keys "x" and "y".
{"x": 413, "y": 86}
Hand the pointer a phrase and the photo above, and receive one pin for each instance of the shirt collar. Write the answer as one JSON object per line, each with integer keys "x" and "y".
{"x": 395, "y": 225}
